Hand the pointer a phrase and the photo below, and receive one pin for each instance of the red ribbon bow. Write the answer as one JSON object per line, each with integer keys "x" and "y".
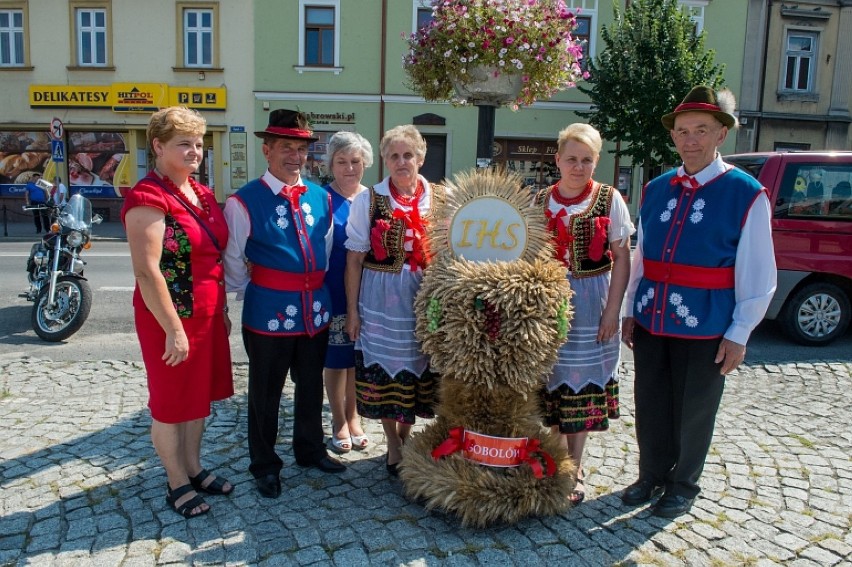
{"x": 417, "y": 257}
{"x": 563, "y": 239}
{"x": 454, "y": 443}
{"x": 533, "y": 456}
{"x": 293, "y": 192}
{"x": 685, "y": 180}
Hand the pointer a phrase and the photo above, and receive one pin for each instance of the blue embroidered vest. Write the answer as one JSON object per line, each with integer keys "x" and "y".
{"x": 687, "y": 228}
{"x": 287, "y": 238}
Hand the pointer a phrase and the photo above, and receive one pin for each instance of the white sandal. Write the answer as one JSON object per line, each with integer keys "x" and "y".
{"x": 341, "y": 445}
{"x": 360, "y": 442}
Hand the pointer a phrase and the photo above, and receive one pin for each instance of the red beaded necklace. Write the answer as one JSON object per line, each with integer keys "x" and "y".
{"x": 196, "y": 188}
{"x": 568, "y": 201}
{"x": 406, "y": 200}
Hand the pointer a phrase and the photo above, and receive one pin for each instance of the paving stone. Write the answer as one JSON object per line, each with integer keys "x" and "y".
{"x": 82, "y": 486}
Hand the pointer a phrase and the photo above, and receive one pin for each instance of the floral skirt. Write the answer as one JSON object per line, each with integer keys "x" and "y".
{"x": 590, "y": 409}
{"x": 402, "y": 397}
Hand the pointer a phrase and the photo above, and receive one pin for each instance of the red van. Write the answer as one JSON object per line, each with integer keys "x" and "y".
{"x": 811, "y": 198}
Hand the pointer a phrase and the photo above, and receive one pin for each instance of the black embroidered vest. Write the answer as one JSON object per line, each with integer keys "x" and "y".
{"x": 582, "y": 227}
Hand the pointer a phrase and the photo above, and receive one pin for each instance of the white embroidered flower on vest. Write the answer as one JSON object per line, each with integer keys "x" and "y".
{"x": 682, "y": 310}
{"x": 291, "y": 311}
{"x": 643, "y": 302}
{"x": 667, "y": 214}
{"x": 282, "y": 221}
{"x": 697, "y": 215}
{"x": 272, "y": 324}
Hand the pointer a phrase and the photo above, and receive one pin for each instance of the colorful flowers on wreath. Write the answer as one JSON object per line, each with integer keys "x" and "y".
{"x": 527, "y": 37}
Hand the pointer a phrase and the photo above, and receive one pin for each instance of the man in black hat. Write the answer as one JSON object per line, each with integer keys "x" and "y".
{"x": 702, "y": 277}
{"x": 276, "y": 259}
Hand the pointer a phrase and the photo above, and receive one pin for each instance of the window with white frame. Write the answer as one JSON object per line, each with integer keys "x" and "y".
{"x": 695, "y": 11}
{"x": 319, "y": 44}
{"x": 91, "y": 37}
{"x": 198, "y": 38}
{"x": 801, "y": 51}
{"x": 586, "y": 12}
{"x": 422, "y": 14}
{"x": 12, "y": 38}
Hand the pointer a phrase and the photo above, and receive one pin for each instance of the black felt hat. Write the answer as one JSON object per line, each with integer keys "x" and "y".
{"x": 285, "y": 123}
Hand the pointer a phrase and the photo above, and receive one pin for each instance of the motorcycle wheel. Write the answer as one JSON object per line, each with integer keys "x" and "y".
{"x": 73, "y": 302}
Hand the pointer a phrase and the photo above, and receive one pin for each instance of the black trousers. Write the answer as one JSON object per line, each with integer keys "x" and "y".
{"x": 41, "y": 219}
{"x": 270, "y": 359}
{"x": 677, "y": 389}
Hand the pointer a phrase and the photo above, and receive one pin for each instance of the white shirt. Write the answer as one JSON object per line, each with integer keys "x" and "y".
{"x": 755, "y": 274}
{"x": 60, "y": 195}
{"x": 237, "y": 276}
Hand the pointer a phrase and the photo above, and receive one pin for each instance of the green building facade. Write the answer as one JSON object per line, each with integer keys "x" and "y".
{"x": 340, "y": 61}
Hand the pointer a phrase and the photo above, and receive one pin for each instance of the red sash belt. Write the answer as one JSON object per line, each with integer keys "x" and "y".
{"x": 286, "y": 281}
{"x": 689, "y": 276}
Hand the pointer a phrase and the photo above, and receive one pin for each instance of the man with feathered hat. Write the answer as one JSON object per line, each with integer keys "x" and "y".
{"x": 702, "y": 278}
{"x": 277, "y": 255}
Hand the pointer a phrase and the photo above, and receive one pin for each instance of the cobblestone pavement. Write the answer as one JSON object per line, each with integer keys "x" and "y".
{"x": 81, "y": 485}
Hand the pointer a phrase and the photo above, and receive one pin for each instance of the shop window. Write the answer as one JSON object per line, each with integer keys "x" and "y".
{"x": 320, "y": 33}
{"x": 24, "y": 153}
{"x": 92, "y": 36}
{"x": 800, "y": 56}
{"x": 97, "y": 164}
{"x": 533, "y": 160}
{"x": 13, "y": 38}
{"x": 315, "y": 169}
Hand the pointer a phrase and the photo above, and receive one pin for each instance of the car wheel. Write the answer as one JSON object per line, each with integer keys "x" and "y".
{"x": 817, "y": 314}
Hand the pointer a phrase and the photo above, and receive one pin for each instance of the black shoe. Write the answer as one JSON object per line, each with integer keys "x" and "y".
{"x": 393, "y": 469}
{"x": 269, "y": 485}
{"x": 672, "y": 506}
{"x": 640, "y": 492}
{"x": 326, "y": 464}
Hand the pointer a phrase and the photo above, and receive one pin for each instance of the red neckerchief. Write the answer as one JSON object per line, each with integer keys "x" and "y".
{"x": 686, "y": 180}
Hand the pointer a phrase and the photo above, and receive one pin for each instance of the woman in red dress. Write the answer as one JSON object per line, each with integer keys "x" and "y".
{"x": 176, "y": 232}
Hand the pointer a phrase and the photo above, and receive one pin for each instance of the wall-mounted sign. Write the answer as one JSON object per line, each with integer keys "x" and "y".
{"x": 70, "y": 96}
{"x": 126, "y": 97}
{"x": 331, "y": 117}
{"x": 199, "y": 98}
{"x": 139, "y": 97}
{"x": 238, "y": 141}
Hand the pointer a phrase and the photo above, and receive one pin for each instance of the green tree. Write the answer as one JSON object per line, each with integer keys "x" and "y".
{"x": 651, "y": 59}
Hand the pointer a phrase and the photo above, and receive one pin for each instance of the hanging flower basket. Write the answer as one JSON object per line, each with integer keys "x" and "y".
{"x": 489, "y": 86}
{"x": 527, "y": 41}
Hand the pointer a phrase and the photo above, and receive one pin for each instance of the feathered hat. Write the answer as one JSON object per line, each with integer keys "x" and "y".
{"x": 285, "y": 123}
{"x": 704, "y": 99}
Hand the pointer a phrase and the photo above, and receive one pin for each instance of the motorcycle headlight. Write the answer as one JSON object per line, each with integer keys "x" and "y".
{"x": 75, "y": 238}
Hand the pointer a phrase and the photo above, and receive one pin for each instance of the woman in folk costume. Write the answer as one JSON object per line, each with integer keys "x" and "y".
{"x": 386, "y": 256}
{"x": 591, "y": 233}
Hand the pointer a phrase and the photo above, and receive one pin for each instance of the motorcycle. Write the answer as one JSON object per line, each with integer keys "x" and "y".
{"x": 62, "y": 297}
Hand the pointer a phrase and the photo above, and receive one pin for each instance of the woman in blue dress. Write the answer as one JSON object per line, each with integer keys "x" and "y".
{"x": 348, "y": 155}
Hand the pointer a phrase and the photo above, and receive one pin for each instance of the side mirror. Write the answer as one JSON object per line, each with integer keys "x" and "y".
{"x": 97, "y": 219}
